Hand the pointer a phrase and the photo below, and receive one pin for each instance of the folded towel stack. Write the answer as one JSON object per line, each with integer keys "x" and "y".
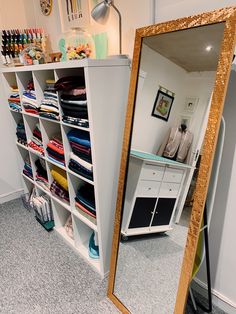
{"x": 80, "y": 158}
{"x": 36, "y": 141}
{"x": 59, "y": 186}
{"x": 49, "y": 105}
{"x": 41, "y": 173}
{"x": 27, "y": 168}
{"x": 56, "y": 151}
{"x": 73, "y": 100}
{"x": 14, "y": 100}
{"x": 20, "y": 133}
{"x": 85, "y": 202}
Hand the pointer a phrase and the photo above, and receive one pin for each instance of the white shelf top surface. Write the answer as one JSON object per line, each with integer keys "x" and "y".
{"x": 69, "y": 64}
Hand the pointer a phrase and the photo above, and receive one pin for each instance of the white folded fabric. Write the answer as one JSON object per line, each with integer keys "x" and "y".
{"x": 82, "y": 162}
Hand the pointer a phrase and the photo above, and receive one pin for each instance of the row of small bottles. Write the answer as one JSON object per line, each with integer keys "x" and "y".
{"x": 15, "y": 40}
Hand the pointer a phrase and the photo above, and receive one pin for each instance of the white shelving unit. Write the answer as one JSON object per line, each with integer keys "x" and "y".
{"x": 107, "y": 84}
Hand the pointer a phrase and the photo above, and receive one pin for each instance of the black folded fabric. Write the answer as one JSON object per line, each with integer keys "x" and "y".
{"x": 69, "y": 82}
{"x": 80, "y": 170}
{"x": 55, "y": 154}
{"x": 40, "y": 169}
{"x": 86, "y": 193}
{"x": 72, "y": 97}
{"x": 84, "y": 156}
{"x": 74, "y": 107}
{"x": 76, "y": 121}
{"x": 49, "y": 115}
{"x": 21, "y": 136}
{"x": 75, "y": 114}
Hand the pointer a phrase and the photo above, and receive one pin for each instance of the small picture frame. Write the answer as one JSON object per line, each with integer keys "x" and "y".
{"x": 162, "y": 105}
{"x": 185, "y": 119}
{"x": 190, "y": 104}
{"x": 74, "y": 14}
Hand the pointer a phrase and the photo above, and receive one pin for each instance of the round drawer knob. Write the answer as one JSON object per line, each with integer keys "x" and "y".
{"x": 170, "y": 190}
{"x": 154, "y": 173}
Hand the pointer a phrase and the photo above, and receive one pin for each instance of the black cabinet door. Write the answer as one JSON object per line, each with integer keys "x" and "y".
{"x": 142, "y": 212}
{"x": 163, "y": 211}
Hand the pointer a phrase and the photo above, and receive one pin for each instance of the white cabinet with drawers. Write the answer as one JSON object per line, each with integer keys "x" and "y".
{"x": 153, "y": 187}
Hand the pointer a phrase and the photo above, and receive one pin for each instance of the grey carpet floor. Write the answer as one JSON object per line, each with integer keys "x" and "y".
{"x": 40, "y": 274}
{"x": 150, "y": 267}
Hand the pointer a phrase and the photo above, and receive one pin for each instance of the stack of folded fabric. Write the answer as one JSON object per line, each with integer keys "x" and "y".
{"x": 36, "y": 141}
{"x": 29, "y": 101}
{"x": 49, "y": 105}
{"x": 14, "y": 100}
{"x": 55, "y": 150}
{"x": 20, "y": 133}
{"x": 73, "y": 100}
{"x": 59, "y": 186}
{"x": 27, "y": 168}
{"x": 41, "y": 173}
{"x": 81, "y": 160}
{"x": 85, "y": 202}
{"x": 80, "y": 166}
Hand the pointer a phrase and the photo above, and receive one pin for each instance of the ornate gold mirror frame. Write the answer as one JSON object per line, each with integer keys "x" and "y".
{"x": 227, "y": 15}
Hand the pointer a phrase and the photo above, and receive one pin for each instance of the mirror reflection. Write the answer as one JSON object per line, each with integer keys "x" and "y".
{"x": 175, "y": 83}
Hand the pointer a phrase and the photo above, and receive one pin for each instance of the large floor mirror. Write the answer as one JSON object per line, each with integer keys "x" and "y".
{"x": 178, "y": 84}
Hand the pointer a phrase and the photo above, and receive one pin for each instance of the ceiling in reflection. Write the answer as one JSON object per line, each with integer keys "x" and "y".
{"x": 187, "y": 48}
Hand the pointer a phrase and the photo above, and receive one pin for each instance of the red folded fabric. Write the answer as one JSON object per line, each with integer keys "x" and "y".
{"x": 84, "y": 209}
{"x": 55, "y": 148}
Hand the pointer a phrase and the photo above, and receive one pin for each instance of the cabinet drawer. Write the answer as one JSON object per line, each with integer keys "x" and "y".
{"x": 152, "y": 172}
{"x": 173, "y": 175}
{"x": 169, "y": 189}
{"x": 148, "y": 188}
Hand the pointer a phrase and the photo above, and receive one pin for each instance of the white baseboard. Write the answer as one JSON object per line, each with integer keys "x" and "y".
{"x": 218, "y": 299}
{"x": 10, "y": 196}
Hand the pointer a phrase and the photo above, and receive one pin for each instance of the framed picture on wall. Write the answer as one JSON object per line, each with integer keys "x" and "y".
{"x": 74, "y": 14}
{"x": 190, "y": 104}
{"x": 162, "y": 105}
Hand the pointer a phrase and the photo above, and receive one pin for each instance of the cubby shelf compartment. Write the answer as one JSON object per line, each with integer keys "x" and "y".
{"x": 106, "y": 83}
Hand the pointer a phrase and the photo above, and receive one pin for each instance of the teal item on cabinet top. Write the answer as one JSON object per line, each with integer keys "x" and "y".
{"x": 150, "y": 156}
{"x": 101, "y": 45}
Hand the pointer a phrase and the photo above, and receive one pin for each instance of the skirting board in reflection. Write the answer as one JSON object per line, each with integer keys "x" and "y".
{"x": 10, "y": 196}
{"x": 218, "y": 299}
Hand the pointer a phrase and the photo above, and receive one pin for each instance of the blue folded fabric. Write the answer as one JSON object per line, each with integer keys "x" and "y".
{"x": 55, "y": 160}
{"x": 80, "y": 137}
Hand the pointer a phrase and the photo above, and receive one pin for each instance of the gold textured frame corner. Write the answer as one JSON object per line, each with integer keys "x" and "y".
{"x": 228, "y": 16}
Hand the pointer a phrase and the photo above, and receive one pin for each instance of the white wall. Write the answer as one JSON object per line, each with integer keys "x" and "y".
{"x": 222, "y": 250}
{"x": 16, "y": 14}
{"x": 13, "y": 14}
{"x": 130, "y": 22}
{"x": 150, "y": 131}
{"x": 172, "y": 9}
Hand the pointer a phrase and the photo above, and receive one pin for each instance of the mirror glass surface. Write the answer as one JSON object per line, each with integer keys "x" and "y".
{"x": 176, "y": 79}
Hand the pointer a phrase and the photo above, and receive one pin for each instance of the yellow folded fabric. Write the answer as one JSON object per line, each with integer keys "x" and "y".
{"x": 60, "y": 176}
